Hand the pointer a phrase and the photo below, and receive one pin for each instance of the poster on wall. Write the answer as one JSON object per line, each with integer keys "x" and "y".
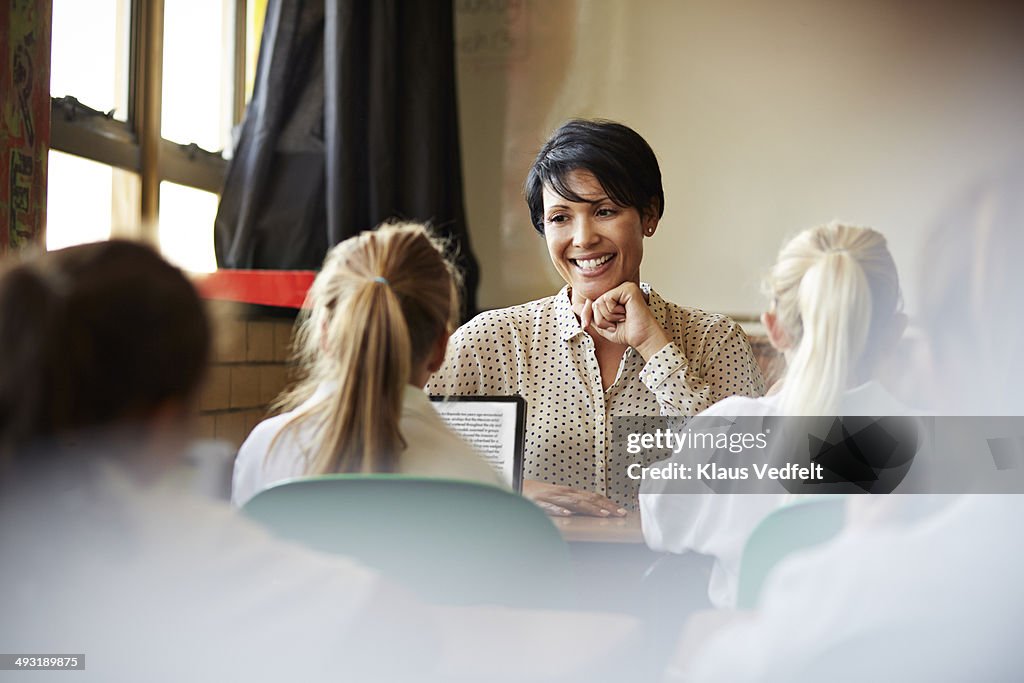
{"x": 24, "y": 121}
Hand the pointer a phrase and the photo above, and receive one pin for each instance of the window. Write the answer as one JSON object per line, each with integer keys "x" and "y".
{"x": 198, "y": 73}
{"x": 89, "y": 53}
{"x": 145, "y": 94}
{"x": 80, "y": 195}
{"x": 186, "y": 222}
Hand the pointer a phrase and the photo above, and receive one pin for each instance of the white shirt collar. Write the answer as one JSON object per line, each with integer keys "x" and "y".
{"x": 416, "y": 402}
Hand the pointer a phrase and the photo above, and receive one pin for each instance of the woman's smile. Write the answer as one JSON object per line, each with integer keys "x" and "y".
{"x": 591, "y": 266}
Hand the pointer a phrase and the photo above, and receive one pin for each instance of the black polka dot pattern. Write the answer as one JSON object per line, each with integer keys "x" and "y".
{"x": 539, "y": 351}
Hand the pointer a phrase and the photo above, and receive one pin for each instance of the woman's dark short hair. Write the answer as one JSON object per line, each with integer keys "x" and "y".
{"x": 615, "y": 154}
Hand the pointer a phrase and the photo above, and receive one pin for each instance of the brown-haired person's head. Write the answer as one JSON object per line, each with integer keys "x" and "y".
{"x": 96, "y": 339}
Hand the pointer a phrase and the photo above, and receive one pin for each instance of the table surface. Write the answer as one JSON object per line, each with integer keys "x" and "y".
{"x": 581, "y": 529}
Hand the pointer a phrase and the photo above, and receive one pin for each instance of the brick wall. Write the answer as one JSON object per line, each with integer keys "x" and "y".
{"x": 249, "y": 370}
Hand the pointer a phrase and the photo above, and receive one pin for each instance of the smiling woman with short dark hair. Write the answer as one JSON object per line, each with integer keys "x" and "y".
{"x": 606, "y": 345}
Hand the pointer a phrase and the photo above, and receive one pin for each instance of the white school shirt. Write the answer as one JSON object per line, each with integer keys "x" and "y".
{"x": 538, "y": 350}
{"x": 432, "y": 449}
{"x": 720, "y": 524}
{"x": 939, "y": 600}
{"x": 154, "y": 585}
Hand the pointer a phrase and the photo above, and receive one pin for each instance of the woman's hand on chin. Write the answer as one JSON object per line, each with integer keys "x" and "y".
{"x": 563, "y": 501}
{"x": 621, "y": 315}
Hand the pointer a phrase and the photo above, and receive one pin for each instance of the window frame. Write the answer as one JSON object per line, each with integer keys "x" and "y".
{"x": 136, "y": 144}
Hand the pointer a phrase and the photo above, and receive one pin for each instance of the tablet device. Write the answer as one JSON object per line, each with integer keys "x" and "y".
{"x": 494, "y": 425}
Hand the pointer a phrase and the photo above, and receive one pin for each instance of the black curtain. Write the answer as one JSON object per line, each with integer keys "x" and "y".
{"x": 353, "y": 121}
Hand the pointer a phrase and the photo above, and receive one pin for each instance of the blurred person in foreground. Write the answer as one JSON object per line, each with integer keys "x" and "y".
{"x": 105, "y": 347}
{"x": 939, "y": 597}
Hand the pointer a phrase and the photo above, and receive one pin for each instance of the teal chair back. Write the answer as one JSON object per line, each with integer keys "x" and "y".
{"x": 450, "y": 542}
{"x": 802, "y": 524}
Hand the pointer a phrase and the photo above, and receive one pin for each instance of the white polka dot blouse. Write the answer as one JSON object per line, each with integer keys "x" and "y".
{"x": 539, "y": 351}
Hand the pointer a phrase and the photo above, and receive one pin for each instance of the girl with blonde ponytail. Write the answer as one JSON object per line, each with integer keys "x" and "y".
{"x": 835, "y": 311}
{"x": 834, "y": 314}
{"x": 375, "y": 326}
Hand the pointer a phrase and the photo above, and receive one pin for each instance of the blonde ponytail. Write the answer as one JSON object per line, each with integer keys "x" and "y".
{"x": 835, "y": 293}
{"x": 374, "y": 312}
